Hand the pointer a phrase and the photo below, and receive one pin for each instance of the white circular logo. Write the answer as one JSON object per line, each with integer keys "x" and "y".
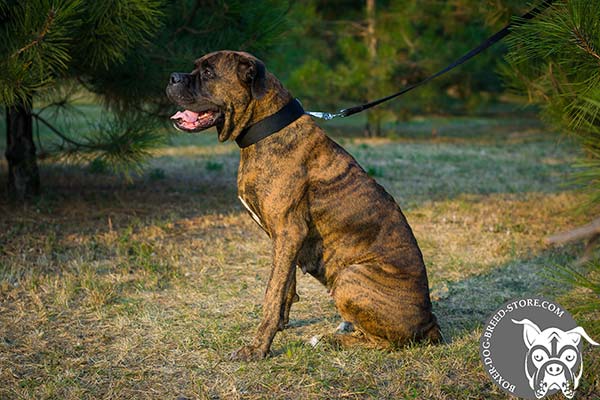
{"x": 531, "y": 348}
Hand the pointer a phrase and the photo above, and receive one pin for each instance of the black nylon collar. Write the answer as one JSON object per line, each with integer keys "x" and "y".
{"x": 273, "y": 123}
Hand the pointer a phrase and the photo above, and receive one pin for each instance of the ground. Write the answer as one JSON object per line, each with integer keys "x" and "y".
{"x": 140, "y": 290}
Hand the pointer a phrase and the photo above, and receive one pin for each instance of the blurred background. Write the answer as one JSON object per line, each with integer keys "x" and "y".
{"x": 115, "y": 57}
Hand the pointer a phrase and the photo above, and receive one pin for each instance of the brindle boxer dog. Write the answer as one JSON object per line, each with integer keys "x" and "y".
{"x": 321, "y": 210}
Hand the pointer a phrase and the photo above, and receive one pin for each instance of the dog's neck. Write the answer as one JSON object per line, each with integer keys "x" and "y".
{"x": 271, "y": 124}
{"x": 256, "y": 110}
{"x": 272, "y": 101}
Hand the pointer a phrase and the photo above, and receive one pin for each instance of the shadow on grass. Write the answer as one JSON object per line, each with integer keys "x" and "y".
{"x": 200, "y": 179}
{"x": 465, "y": 305}
{"x": 77, "y": 196}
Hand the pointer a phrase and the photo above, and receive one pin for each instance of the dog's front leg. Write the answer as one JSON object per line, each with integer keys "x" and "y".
{"x": 286, "y": 245}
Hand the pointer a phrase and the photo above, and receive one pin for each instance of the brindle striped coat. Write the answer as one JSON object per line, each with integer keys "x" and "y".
{"x": 323, "y": 213}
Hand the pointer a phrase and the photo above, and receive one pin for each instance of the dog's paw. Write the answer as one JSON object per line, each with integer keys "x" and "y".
{"x": 345, "y": 327}
{"x": 282, "y": 324}
{"x": 248, "y": 353}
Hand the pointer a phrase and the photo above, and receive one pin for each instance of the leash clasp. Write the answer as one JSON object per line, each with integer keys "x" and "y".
{"x": 324, "y": 115}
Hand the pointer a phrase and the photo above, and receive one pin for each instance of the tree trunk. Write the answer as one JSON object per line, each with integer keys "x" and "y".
{"x": 23, "y": 174}
{"x": 371, "y": 37}
{"x": 373, "y": 127}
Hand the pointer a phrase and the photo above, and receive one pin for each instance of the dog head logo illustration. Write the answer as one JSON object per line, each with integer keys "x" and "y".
{"x": 553, "y": 361}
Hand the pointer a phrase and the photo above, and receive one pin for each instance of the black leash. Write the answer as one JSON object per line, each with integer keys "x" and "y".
{"x": 496, "y": 37}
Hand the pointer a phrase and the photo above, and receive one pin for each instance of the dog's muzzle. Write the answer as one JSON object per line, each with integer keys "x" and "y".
{"x": 197, "y": 117}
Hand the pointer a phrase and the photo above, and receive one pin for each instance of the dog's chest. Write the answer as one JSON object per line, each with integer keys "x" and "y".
{"x": 251, "y": 188}
{"x": 253, "y": 213}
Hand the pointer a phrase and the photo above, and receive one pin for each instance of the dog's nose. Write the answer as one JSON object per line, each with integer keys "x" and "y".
{"x": 554, "y": 369}
{"x": 176, "y": 77}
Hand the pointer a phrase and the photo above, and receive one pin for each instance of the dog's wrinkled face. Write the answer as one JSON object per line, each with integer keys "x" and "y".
{"x": 553, "y": 360}
{"x": 220, "y": 83}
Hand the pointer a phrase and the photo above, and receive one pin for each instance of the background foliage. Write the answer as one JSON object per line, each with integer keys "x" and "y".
{"x": 329, "y": 53}
{"x": 332, "y": 67}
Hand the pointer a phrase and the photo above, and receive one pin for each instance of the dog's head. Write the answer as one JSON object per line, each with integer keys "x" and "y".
{"x": 225, "y": 89}
{"x": 553, "y": 360}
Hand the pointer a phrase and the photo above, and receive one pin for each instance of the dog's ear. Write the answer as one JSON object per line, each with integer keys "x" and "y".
{"x": 576, "y": 334}
{"x": 252, "y": 72}
{"x": 530, "y": 331}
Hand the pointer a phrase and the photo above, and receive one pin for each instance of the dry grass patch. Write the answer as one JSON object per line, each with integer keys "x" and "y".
{"x": 112, "y": 290}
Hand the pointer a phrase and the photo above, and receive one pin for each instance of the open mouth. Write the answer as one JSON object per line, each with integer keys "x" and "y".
{"x": 190, "y": 121}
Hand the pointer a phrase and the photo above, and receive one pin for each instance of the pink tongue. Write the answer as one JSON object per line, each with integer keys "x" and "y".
{"x": 187, "y": 116}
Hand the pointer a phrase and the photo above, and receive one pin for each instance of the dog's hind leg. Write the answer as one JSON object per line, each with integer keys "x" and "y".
{"x": 388, "y": 307}
{"x": 291, "y": 298}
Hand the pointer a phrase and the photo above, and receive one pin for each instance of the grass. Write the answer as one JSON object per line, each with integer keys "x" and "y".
{"x": 140, "y": 290}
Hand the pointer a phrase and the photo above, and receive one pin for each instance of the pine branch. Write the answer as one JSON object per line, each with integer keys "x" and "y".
{"x": 190, "y": 17}
{"x": 124, "y": 145}
{"x": 582, "y": 232}
{"x": 58, "y": 133}
{"x": 555, "y": 83}
{"x": 196, "y": 31}
{"x": 584, "y": 44}
{"x": 42, "y": 34}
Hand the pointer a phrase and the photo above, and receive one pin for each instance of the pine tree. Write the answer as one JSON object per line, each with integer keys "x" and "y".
{"x": 43, "y": 42}
{"x": 555, "y": 60}
{"x": 121, "y": 50}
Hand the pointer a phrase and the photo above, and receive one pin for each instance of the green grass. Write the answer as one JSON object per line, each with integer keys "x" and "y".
{"x": 140, "y": 290}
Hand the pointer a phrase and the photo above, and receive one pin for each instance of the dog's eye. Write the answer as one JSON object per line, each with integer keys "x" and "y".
{"x": 207, "y": 73}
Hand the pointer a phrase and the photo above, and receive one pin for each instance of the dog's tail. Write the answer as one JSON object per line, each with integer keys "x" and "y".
{"x": 434, "y": 335}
